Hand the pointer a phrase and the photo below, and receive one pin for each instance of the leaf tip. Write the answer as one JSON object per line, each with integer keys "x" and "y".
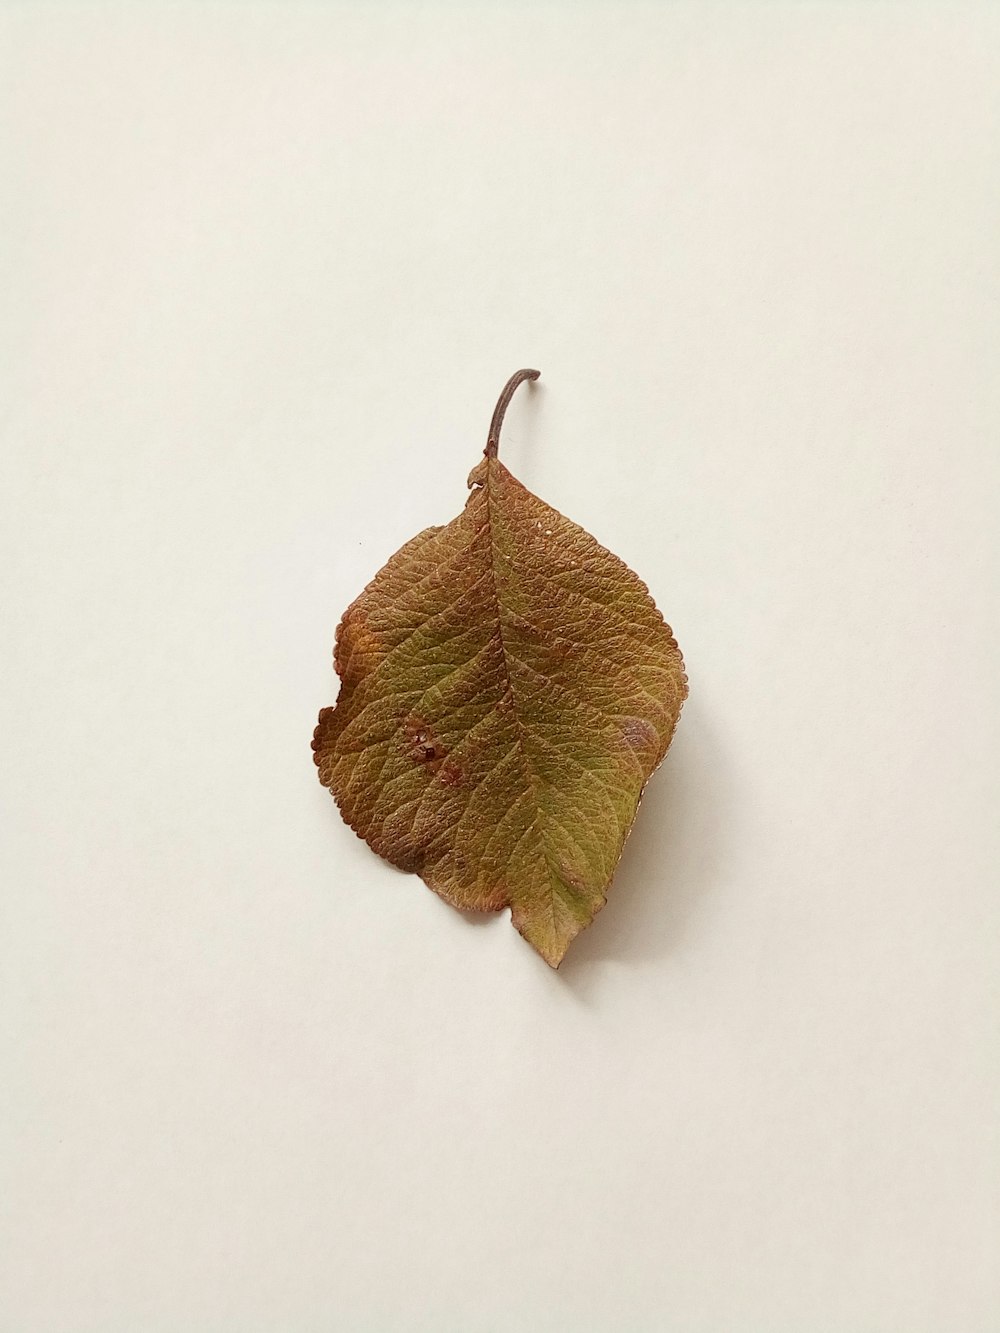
{"x": 549, "y": 941}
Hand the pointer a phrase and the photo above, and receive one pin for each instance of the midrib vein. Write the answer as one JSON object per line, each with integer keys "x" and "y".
{"x": 554, "y": 877}
{"x": 518, "y": 724}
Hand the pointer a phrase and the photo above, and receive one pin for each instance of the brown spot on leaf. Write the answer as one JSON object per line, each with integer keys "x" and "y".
{"x": 450, "y": 774}
{"x": 638, "y": 734}
{"x": 421, "y": 744}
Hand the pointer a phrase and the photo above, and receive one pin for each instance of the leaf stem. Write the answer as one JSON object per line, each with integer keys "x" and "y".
{"x": 493, "y": 439}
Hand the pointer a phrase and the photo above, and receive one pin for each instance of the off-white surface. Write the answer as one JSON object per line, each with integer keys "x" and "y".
{"x": 265, "y": 271}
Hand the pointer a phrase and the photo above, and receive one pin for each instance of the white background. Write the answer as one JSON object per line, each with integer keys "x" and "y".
{"x": 265, "y": 269}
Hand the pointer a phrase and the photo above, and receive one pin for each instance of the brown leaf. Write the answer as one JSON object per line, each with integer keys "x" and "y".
{"x": 507, "y": 688}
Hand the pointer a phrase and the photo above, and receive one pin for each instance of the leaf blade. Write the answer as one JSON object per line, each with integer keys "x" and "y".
{"x": 507, "y": 689}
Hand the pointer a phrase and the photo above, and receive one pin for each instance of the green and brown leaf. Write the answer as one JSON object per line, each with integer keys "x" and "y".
{"x": 507, "y": 688}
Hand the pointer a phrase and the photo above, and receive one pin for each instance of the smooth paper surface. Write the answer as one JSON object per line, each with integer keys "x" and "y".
{"x": 265, "y": 268}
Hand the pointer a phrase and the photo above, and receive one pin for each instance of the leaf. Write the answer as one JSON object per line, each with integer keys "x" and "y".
{"x": 507, "y": 688}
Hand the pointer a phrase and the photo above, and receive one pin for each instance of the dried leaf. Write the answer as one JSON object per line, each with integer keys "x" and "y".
{"x": 507, "y": 688}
